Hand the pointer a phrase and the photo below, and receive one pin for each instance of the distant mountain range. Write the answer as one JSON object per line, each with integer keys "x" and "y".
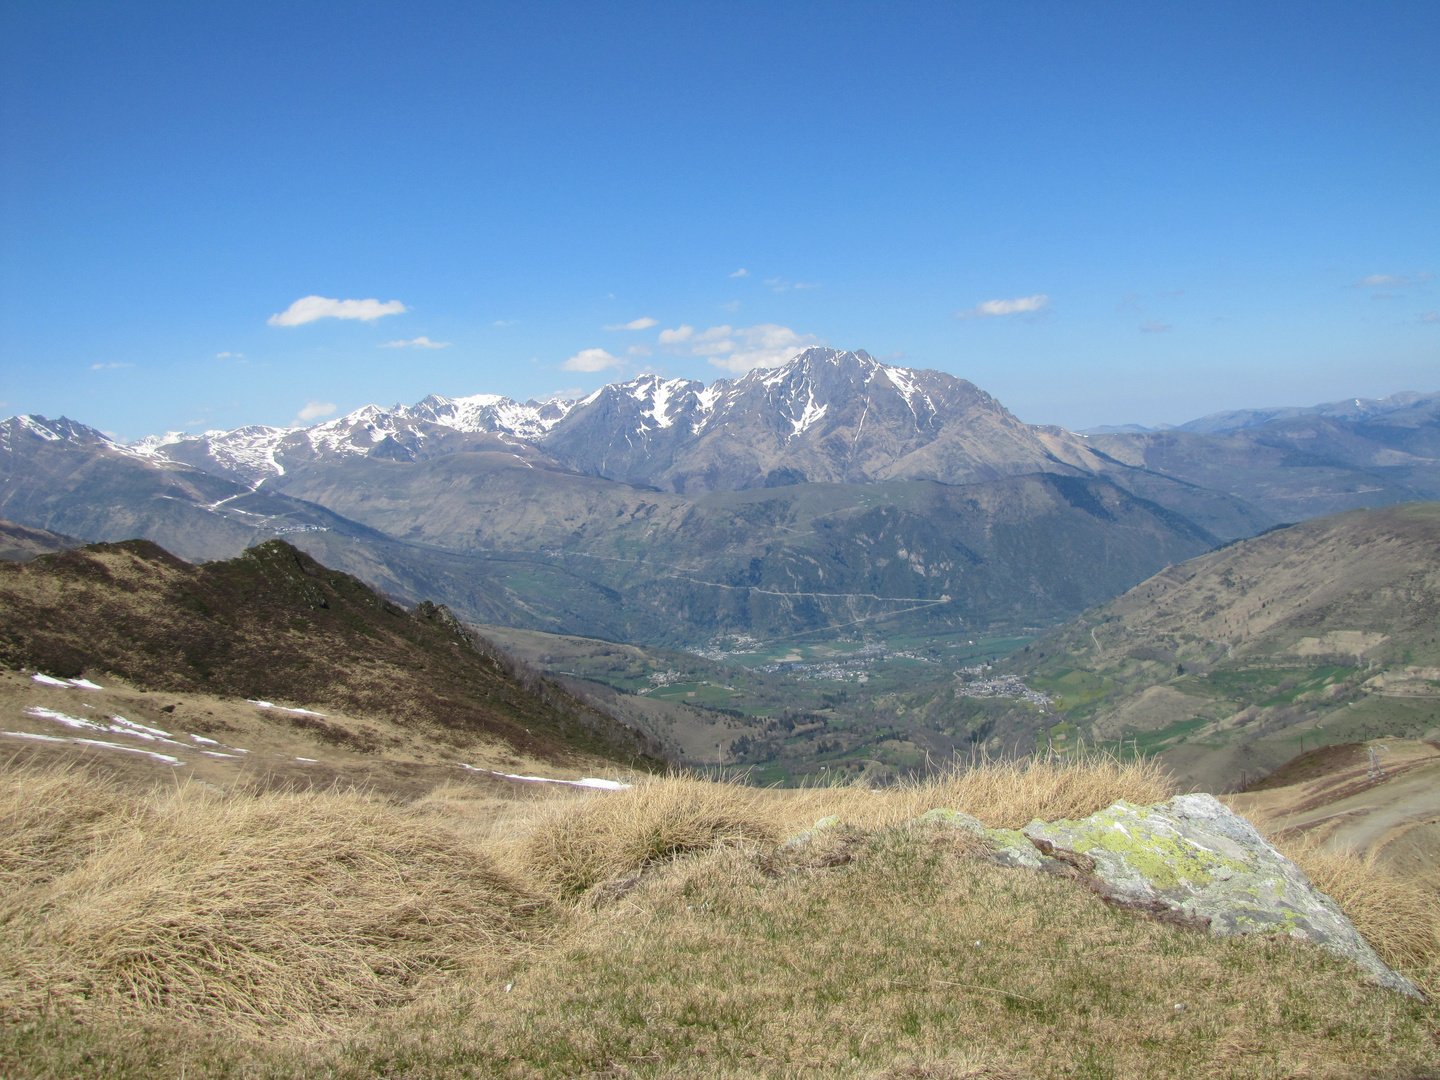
{"x": 827, "y": 416}
{"x": 834, "y": 490}
{"x": 1236, "y": 419}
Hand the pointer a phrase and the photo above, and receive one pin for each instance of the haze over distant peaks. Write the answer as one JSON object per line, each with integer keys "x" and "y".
{"x": 1239, "y": 419}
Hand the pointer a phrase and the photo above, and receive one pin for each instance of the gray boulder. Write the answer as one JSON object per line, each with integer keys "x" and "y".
{"x": 1192, "y": 860}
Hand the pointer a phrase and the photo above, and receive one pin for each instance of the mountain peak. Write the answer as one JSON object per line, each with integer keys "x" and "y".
{"x": 43, "y": 428}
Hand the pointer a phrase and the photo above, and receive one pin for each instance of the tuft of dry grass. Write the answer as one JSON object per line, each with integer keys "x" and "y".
{"x": 1399, "y": 918}
{"x": 576, "y": 845}
{"x": 250, "y": 911}
{"x": 50, "y": 820}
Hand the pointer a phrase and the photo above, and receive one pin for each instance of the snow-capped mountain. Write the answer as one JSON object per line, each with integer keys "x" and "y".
{"x": 72, "y": 479}
{"x": 826, "y": 415}
{"x": 436, "y": 425}
{"x": 16, "y": 430}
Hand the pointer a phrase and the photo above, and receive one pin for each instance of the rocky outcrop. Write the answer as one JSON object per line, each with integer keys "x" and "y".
{"x": 1191, "y": 860}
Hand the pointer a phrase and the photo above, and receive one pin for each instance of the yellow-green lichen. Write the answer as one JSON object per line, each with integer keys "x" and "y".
{"x": 1160, "y": 856}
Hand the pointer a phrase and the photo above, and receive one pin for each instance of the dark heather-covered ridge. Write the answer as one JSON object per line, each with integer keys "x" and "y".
{"x": 274, "y": 624}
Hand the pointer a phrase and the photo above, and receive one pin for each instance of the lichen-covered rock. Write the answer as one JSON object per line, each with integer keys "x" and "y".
{"x": 1194, "y": 859}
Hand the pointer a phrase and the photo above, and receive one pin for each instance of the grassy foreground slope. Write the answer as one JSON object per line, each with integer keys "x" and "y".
{"x": 661, "y": 931}
{"x": 1327, "y": 630}
{"x": 274, "y": 624}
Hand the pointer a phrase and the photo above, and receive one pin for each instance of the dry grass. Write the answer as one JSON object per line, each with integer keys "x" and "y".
{"x": 953, "y": 1067}
{"x": 50, "y": 821}
{"x": 1400, "y": 918}
{"x": 906, "y": 955}
{"x": 413, "y": 935}
{"x": 573, "y": 846}
{"x": 577, "y": 845}
{"x": 249, "y": 911}
{"x": 1002, "y": 794}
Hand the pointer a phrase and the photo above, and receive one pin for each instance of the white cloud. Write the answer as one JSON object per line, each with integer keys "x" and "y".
{"x": 1393, "y": 281}
{"x": 737, "y": 349}
{"x": 110, "y": 367}
{"x": 742, "y": 272}
{"x": 1380, "y": 281}
{"x": 505, "y": 322}
{"x": 781, "y": 285}
{"x": 1019, "y": 305}
{"x": 730, "y": 305}
{"x": 643, "y": 323}
{"x": 313, "y": 410}
{"x": 421, "y": 342}
{"x": 638, "y": 350}
{"x": 229, "y": 356}
{"x": 592, "y": 360}
{"x": 309, "y": 308}
{"x": 1430, "y": 317}
{"x": 1153, "y": 326}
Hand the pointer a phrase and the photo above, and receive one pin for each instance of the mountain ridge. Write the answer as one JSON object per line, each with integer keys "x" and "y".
{"x": 1325, "y": 630}
{"x": 275, "y": 624}
{"x": 803, "y": 421}
{"x": 1236, "y": 419}
{"x": 770, "y": 489}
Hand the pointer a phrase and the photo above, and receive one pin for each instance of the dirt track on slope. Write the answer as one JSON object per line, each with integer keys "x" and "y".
{"x": 1396, "y": 816}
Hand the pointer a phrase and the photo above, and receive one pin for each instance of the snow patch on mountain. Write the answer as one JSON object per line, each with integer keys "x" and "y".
{"x": 492, "y": 413}
{"x": 809, "y": 416}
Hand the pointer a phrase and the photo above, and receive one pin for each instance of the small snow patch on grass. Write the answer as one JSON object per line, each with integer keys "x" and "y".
{"x": 586, "y": 782}
{"x": 283, "y": 708}
{"x": 66, "y": 684}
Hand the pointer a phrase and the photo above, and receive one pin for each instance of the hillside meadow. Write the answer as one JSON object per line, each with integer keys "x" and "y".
{"x": 658, "y": 931}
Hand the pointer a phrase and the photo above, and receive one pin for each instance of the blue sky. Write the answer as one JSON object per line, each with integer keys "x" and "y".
{"x": 1098, "y": 212}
